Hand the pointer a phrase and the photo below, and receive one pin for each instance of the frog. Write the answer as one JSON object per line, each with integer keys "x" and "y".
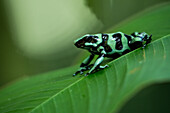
{"x": 110, "y": 45}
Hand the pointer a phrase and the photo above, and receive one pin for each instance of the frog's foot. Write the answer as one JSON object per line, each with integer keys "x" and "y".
{"x": 144, "y": 46}
{"x": 79, "y": 71}
{"x": 97, "y": 69}
{"x": 76, "y": 73}
{"x": 89, "y": 66}
{"x": 82, "y": 69}
{"x": 86, "y": 74}
{"x": 102, "y": 67}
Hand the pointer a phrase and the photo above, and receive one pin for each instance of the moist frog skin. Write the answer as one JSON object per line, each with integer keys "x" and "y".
{"x": 110, "y": 45}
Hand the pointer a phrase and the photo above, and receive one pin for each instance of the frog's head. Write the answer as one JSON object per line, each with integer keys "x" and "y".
{"x": 85, "y": 41}
{"x": 142, "y": 37}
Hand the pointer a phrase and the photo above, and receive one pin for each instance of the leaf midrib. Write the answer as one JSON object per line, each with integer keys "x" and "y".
{"x": 57, "y": 93}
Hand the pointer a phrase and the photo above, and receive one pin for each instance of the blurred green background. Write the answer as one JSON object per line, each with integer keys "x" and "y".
{"x": 37, "y": 35}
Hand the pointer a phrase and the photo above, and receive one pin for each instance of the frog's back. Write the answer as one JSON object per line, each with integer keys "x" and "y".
{"x": 118, "y": 43}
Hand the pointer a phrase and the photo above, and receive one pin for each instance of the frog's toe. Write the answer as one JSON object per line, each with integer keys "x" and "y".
{"x": 86, "y": 74}
{"x": 106, "y": 66}
{"x": 102, "y": 67}
{"x": 81, "y": 72}
{"x": 77, "y": 72}
{"x": 74, "y": 74}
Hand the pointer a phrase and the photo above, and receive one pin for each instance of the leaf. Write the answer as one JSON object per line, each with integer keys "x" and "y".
{"x": 102, "y": 92}
{"x": 111, "y": 12}
{"x": 156, "y": 22}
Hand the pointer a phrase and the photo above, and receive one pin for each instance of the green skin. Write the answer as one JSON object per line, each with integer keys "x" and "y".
{"x": 106, "y": 45}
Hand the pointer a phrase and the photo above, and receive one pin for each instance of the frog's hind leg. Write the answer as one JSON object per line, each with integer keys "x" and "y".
{"x": 98, "y": 68}
{"x": 96, "y": 64}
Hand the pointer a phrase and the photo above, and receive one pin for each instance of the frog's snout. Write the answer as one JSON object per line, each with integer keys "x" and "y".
{"x": 78, "y": 45}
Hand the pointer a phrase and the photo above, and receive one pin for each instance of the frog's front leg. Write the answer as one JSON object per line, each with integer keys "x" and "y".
{"x": 85, "y": 65}
{"x": 97, "y": 64}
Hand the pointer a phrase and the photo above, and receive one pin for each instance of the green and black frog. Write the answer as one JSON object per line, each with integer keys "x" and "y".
{"x": 110, "y": 45}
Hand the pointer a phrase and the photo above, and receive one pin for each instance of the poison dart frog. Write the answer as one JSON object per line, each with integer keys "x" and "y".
{"x": 110, "y": 45}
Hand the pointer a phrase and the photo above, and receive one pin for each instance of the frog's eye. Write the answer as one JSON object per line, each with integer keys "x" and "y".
{"x": 89, "y": 39}
{"x": 94, "y": 40}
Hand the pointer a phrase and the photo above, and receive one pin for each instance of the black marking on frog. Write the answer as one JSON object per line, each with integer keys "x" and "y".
{"x": 118, "y": 40}
{"x": 107, "y": 48}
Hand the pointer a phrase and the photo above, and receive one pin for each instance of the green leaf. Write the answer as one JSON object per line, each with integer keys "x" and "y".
{"x": 111, "y": 12}
{"x": 104, "y": 91}
{"x": 156, "y": 22}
